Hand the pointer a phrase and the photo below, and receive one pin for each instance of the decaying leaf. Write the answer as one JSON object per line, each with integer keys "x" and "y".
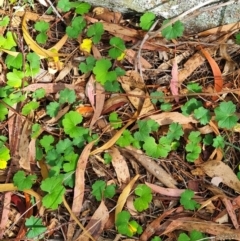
{"x": 120, "y": 166}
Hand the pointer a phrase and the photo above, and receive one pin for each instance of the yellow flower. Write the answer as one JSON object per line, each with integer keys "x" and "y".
{"x": 121, "y": 57}
{"x": 3, "y": 164}
{"x": 86, "y": 45}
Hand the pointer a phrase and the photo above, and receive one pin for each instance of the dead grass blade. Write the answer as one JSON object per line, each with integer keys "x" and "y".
{"x": 79, "y": 187}
{"x": 124, "y": 195}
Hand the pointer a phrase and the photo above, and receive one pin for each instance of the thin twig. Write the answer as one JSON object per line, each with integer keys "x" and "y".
{"x": 55, "y": 10}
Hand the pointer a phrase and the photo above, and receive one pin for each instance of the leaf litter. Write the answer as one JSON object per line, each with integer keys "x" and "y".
{"x": 127, "y": 91}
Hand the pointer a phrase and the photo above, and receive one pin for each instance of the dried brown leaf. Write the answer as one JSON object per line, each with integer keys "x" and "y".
{"x": 167, "y": 118}
{"x": 152, "y": 167}
{"x": 218, "y": 168}
{"x": 120, "y": 166}
{"x": 96, "y": 223}
{"x": 79, "y": 186}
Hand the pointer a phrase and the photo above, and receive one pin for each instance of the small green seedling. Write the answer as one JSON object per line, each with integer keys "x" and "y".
{"x": 144, "y": 194}
{"x": 30, "y": 107}
{"x": 4, "y": 21}
{"x": 237, "y": 38}
{"x": 147, "y": 20}
{"x": 193, "y": 236}
{"x": 35, "y": 228}
{"x": 4, "y": 155}
{"x": 191, "y": 105}
{"x": 70, "y": 124}
{"x": 55, "y": 189}
{"x": 107, "y": 158}
{"x": 76, "y": 27}
{"x": 194, "y": 87}
{"x": 101, "y": 190}
{"x": 8, "y": 41}
{"x": 118, "y": 47}
{"x": 203, "y": 115}
{"x": 95, "y": 31}
{"x": 22, "y": 182}
{"x": 88, "y": 66}
{"x": 219, "y": 142}
{"x": 156, "y": 238}
{"x": 193, "y": 147}
{"x": 115, "y": 121}
{"x": 42, "y": 27}
{"x": 174, "y": 30}
{"x": 187, "y": 201}
{"x": 158, "y": 97}
{"x": 126, "y": 139}
{"x": 226, "y": 115}
{"x": 125, "y": 226}
{"x": 102, "y": 73}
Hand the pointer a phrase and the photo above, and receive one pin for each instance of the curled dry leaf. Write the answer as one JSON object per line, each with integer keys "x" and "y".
{"x": 218, "y": 81}
{"x": 114, "y": 103}
{"x": 120, "y": 166}
{"x": 154, "y": 225}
